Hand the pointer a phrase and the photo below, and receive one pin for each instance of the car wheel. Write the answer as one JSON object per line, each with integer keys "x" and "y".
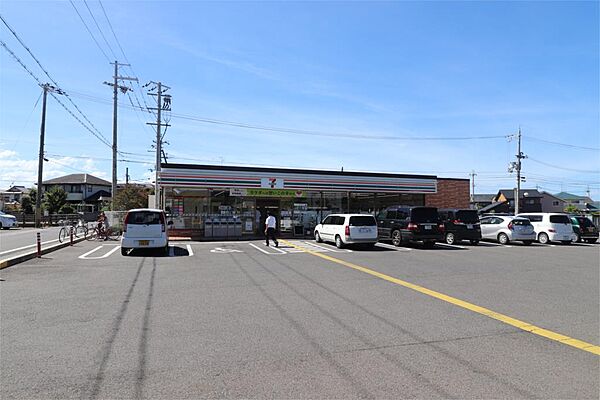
{"x": 474, "y": 242}
{"x": 543, "y": 238}
{"x": 450, "y": 239}
{"x": 429, "y": 244}
{"x": 124, "y": 251}
{"x": 503, "y": 238}
{"x": 527, "y": 242}
{"x": 338, "y": 242}
{"x": 396, "y": 238}
{"x": 318, "y": 237}
{"x": 577, "y": 238}
{"x": 591, "y": 240}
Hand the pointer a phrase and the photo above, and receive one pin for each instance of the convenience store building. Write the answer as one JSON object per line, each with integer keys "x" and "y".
{"x": 210, "y": 201}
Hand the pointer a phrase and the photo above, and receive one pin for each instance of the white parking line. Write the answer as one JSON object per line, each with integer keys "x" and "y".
{"x": 310, "y": 244}
{"x": 453, "y": 246}
{"x": 26, "y": 247}
{"x": 583, "y": 244}
{"x": 85, "y": 256}
{"x": 391, "y": 246}
{"x": 189, "y": 249}
{"x": 267, "y": 252}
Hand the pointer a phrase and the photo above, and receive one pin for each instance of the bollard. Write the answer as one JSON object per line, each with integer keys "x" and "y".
{"x": 39, "y": 245}
{"x": 71, "y": 243}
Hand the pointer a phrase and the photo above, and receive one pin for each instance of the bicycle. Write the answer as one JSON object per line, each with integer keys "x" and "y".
{"x": 103, "y": 233}
{"x": 79, "y": 229}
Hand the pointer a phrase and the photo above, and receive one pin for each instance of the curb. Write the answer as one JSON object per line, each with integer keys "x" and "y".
{"x": 9, "y": 262}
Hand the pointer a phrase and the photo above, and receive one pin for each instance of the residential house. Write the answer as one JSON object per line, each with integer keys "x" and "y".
{"x": 84, "y": 191}
{"x": 530, "y": 200}
{"x": 479, "y": 201}
{"x": 551, "y": 203}
{"x": 10, "y": 199}
{"x": 584, "y": 203}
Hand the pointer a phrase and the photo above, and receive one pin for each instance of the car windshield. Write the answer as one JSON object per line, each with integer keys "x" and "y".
{"x": 521, "y": 221}
{"x": 143, "y": 218}
{"x": 424, "y": 214}
{"x": 366, "y": 220}
{"x": 559, "y": 219}
{"x": 467, "y": 216}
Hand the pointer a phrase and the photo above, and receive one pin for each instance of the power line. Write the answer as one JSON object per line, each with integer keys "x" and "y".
{"x": 99, "y": 30}
{"x": 89, "y": 31}
{"x": 562, "y": 144}
{"x": 563, "y": 168}
{"x": 49, "y": 77}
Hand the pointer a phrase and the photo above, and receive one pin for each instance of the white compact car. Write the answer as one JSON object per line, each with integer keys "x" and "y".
{"x": 343, "y": 229}
{"x": 551, "y": 227}
{"x": 7, "y": 221}
{"x": 145, "y": 228}
{"x": 505, "y": 229}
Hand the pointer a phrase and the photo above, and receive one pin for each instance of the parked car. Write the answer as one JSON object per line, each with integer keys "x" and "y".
{"x": 504, "y": 229}
{"x": 145, "y": 228}
{"x": 406, "y": 224}
{"x": 7, "y": 221}
{"x": 551, "y": 227}
{"x": 344, "y": 229}
{"x": 460, "y": 224}
{"x": 584, "y": 229}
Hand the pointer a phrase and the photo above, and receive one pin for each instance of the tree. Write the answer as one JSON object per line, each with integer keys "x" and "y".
{"x": 67, "y": 209}
{"x": 27, "y": 204}
{"x": 572, "y": 209}
{"x": 54, "y": 199}
{"x": 131, "y": 197}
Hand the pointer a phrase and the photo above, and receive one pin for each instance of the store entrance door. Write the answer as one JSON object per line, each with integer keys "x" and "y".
{"x": 263, "y": 207}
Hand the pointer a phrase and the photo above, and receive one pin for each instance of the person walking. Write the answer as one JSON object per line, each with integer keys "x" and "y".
{"x": 270, "y": 225}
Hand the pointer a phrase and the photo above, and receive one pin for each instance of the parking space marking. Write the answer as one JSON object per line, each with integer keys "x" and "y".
{"x": 494, "y": 244}
{"x": 189, "y": 249}
{"x": 336, "y": 250}
{"x": 527, "y": 327}
{"x": 391, "y": 246}
{"x": 583, "y": 244}
{"x": 267, "y": 252}
{"x": 85, "y": 256}
{"x": 452, "y": 246}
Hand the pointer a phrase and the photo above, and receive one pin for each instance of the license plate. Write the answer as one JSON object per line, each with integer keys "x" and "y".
{"x": 469, "y": 226}
{"x": 143, "y": 242}
{"x": 428, "y": 227}
{"x": 364, "y": 230}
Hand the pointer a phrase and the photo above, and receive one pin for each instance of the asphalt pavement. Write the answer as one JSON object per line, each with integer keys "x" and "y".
{"x": 17, "y": 241}
{"x": 242, "y": 320}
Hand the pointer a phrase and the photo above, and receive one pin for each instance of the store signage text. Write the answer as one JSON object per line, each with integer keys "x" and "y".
{"x": 265, "y": 193}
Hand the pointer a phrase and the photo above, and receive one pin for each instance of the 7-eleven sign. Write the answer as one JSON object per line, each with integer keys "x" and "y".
{"x": 271, "y": 183}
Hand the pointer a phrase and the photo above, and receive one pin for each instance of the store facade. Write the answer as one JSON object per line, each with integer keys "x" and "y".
{"x": 208, "y": 201}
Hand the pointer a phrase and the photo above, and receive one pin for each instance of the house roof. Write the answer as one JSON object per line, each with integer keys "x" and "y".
{"x": 96, "y": 196}
{"x": 509, "y": 194}
{"x": 553, "y": 196}
{"x": 21, "y": 189}
{"x": 479, "y": 198}
{"x": 490, "y": 207}
{"x": 570, "y": 196}
{"x": 77, "y": 179}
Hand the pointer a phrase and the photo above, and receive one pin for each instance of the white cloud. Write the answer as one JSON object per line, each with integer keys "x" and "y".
{"x": 7, "y": 154}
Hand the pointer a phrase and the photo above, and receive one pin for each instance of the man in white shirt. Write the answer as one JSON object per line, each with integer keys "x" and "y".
{"x": 270, "y": 225}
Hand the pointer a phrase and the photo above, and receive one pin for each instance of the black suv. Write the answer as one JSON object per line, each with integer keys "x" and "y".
{"x": 584, "y": 229}
{"x": 405, "y": 224}
{"x": 460, "y": 224}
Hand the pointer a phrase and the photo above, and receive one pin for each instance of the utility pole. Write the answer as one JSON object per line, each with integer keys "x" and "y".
{"x": 160, "y": 106}
{"x": 472, "y": 175}
{"x": 126, "y": 175}
{"x": 520, "y": 156}
{"x": 38, "y": 197}
{"x": 123, "y": 89}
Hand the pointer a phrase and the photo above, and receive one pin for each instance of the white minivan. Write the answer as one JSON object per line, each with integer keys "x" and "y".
{"x": 343, "y": 229}
{"x": 145, "y": 228}
{"x": 551, "y": 227}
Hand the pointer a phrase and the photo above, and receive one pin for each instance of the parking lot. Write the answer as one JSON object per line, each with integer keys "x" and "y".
{"x": 242, "y": 320}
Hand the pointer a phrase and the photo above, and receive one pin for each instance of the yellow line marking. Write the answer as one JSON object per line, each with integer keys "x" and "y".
{"x": 464, "y": 304}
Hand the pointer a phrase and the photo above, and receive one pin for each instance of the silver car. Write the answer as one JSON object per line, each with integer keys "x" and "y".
{"x": 505, "y": 229}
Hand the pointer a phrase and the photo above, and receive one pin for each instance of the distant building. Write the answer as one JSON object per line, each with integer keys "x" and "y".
{"x": 12, "y": 197}
{"x": 583, "y": 203}
{"x": 551, "y": 203}
{"x": 530, "y": 200}
{"x": 482, "y": 200}
{"x": 84, "y": 191}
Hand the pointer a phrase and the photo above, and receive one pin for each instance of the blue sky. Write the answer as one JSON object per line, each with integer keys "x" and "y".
{"x": 403, "y": 71}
